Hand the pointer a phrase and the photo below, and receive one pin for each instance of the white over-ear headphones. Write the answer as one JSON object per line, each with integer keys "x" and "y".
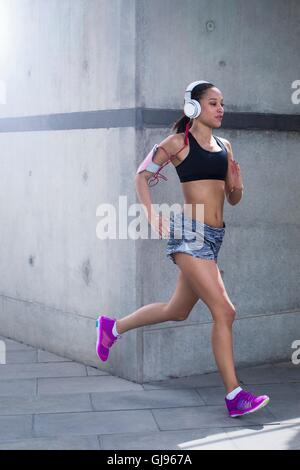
{"x": 192, "y": 108}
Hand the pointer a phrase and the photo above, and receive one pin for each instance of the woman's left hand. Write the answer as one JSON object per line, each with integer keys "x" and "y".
{"x": 235, "y": 174}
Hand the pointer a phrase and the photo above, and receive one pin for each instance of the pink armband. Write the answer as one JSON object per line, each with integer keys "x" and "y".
{"x": 149, "y": 165}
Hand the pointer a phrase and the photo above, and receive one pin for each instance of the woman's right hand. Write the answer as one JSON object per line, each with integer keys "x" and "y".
{"x": 161, "y": 225}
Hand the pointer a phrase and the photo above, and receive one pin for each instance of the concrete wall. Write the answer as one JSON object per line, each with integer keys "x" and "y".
{"x": 65, "y": 56}
{"x": 259, "y": 259}
{"x": 249, "y": 50}
{"x": 56, "y": 275}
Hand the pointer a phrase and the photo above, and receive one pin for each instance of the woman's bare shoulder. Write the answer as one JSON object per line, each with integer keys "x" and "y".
{"x": 173, "y": 143}
{"x": 225, "y": 142}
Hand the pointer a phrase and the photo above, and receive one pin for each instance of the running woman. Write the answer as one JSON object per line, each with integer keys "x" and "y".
{"x": 208, "y": 173}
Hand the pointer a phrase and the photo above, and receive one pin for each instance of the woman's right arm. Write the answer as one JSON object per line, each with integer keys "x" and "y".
{"x": 151, "y": 164}
{"x": 143, "y": 192}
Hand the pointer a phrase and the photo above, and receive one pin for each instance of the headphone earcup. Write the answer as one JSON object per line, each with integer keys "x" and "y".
{"x": 192, "y": 108}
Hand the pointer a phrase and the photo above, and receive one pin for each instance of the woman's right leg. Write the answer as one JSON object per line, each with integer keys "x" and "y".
{"x": 177, "y": 309}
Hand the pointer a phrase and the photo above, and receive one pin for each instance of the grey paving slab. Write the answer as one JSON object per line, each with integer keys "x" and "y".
{"x": 23, "y": 371}
{"x": 275, "y": 437}
{"x": 45, "y": 356}
{"x": 59, "y": 443}
{"x": 296, "y": 387}
{"x": 194, "y": 381}
{"x": 45, "y": 404}
{"x": 286, "y": 365}
{"x": 85, "y": 384}
{"x": 18, "y": 387}
{"x": 276, "y": 392}
{"x": 21, "y": 357}
{"x": 12, "y": 345}
{"x": 212, "y": 395}
{"x": 145, "y": 399}
{"x": 91, "y": 423}
{"x": 259, "y": 375}
{"x": 190, "y": 439}
{"x": 14, "y": 427}
{"x": 95, "y": 371}
{"x": 206, "y": 416}
{"x": 50, "y": 402}
{"x": 288, "y": 372}
{"x": 286, "y": 414}
{"x": 281, "y": 392}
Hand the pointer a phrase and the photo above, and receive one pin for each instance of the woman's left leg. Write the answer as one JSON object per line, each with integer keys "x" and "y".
{"x": 205, "y": 279}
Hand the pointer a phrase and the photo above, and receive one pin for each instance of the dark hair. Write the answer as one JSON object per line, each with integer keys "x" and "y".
{"x": 197, "y": 93}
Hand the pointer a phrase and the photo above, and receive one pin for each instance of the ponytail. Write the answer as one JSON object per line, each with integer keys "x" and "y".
{"x": 180, "y": 125}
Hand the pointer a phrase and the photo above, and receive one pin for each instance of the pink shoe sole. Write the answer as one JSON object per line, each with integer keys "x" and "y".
{"x": 102, "y": 352}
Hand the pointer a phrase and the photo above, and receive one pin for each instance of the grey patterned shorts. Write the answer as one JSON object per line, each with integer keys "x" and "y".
{"x": 193, "y": 237}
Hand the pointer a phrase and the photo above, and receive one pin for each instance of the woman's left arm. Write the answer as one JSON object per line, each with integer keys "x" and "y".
{"x": 233, "y": 184}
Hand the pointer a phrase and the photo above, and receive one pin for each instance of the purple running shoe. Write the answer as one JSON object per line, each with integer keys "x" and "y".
{"x": 105, "y": 336}
{"x": 245, "y": 403}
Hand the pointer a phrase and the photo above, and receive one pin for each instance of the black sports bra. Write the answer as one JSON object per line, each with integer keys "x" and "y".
{"x": 201, "y": 164}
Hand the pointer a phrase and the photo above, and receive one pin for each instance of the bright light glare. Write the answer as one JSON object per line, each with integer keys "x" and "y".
{"x": 6, "y": 30}
{"x": 6, "y": 41}
{"x": 2, "y": 92}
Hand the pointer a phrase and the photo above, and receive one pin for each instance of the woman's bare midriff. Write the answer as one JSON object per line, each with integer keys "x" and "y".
{"x": 204, "y": 201}
{"x": 208, "y": 193}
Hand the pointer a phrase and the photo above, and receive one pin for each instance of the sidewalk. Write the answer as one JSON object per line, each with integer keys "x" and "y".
{"x": 48, "y": 402}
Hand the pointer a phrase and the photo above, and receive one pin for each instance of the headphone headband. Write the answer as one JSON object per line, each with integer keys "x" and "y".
{"x": 191, "y": 86}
